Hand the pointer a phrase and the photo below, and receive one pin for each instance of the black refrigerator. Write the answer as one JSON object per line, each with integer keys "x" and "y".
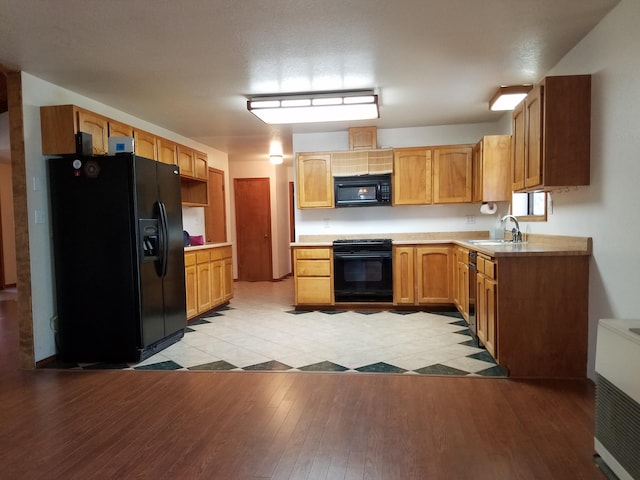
{"x": 118, "y": 250}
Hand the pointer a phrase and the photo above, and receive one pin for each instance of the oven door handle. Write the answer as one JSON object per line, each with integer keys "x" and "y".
{"x": 362, "y": 256}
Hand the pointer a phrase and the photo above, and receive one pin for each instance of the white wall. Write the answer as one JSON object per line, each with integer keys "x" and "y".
{"x": 36, "y": 93}
{"x": 400, "y": 219}
{"x": 606, "y": 209}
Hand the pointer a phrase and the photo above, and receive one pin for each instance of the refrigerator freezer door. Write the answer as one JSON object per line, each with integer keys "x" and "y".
{"x": 151, "y": 295}
{"x": 173, "y": 283}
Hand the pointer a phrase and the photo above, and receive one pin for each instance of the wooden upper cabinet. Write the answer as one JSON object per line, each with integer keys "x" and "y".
{"x": 518, "y": 148}
{"x": 552, "y": 135}
{"x": 533, "y": 111}
{"x": 452, "y": 174}
{"x": 60, "y": 124}
{"x": 314, "y": 180}
{"x": 117, "y": 129}
{"x": 412, "y": 182}
{"x": 186, "y": 161}
{"x": 363, "y": 138}
{"x": 201, "y": 165}
{"x": 98, "y": 127}
{"x": 492, "y": 169}
{"x": 145, "y": 144}
{"x": 167, "y": 151}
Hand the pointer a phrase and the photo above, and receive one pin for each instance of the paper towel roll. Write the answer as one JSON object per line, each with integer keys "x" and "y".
{"x": 488, "y": 208}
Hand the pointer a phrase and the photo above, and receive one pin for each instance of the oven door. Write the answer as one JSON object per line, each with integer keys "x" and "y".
{"x": 363, "y": 277}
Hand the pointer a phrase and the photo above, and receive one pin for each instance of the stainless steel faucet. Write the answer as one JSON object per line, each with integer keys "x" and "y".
{"x": 516, "y": 235}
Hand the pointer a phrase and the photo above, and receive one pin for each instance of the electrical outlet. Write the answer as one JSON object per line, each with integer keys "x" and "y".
{"x": 471, "y": 219}
{"x": 37, "y": 184}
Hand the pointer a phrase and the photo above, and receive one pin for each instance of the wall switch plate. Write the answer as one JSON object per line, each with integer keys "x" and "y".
{"x": 40, "y": 217}
{"x": 471, "y": 219}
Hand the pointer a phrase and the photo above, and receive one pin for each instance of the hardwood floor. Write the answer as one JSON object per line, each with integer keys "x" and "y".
{"x": 268, "y": 425}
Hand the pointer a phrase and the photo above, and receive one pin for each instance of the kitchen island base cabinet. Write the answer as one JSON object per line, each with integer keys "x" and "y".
{"x": 209, "y": 279}
{"x": 542, "y": 316}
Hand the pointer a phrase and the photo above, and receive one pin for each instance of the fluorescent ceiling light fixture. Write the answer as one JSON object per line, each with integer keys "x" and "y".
{"x": 508, "y": 97}
{"x": 315, "y": 107}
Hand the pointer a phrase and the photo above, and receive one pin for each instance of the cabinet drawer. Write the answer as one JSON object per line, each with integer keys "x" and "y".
{"x": 487, "y": 267}
{"x": 314, "y": 291}
{"x": 313, "y": 268}
{"x": 220, "y": 253}
{"x": 202, "y": 257}
{"x": 315, "y": 253}
{"x": 189, "y": 259}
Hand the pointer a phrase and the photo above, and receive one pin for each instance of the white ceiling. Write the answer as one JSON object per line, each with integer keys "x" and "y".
{"x": 189, "y": 65}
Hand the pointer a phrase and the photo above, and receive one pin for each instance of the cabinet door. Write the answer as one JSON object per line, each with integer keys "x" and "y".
{"x": 496, "y": 167}
{"x": 490, "y": 302}
{"x": 117, "y": 129}
{"x": 452, "y": 175}
{"x": 145, "y": 144}
{"x": 201, "y": 165}
{"x": 533, "y": 107}
{"x": 477, "y": 173}
{"x": 167, "y": 151}
{"x": 191, "y": 290}
{"x": 481, "y": 309}
{"x": 228, "y": 279}
{"x": 217, "y": 282}
{"x": 186, "y": 161}
{"x": 314, "y": 180}
{"x": 204, "y": 287}
{"x": 404, "y": 284}
{"x": 518, "y": 148}
{"x": 98, "y": 127}
{"x": 462, "y": 288}
{"x": 412, "y": 177}
{"x": 434, "y": 275}
{"x": 363, "y": 138}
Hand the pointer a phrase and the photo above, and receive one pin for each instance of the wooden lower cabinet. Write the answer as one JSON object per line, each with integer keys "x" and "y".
{"x": 461, "y": 281}
{"x": 191, "y": 281}
{"x": 486, "y": 298}
{"x": 404, "y": 283}
{"x": 313, "y": 276}
{"x": 533, "y": 317}
{"x": 209, "y": 279}
{"x": 422, "y": 275}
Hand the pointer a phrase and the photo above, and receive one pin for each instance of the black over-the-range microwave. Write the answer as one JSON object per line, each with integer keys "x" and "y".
{"x": 362, "y": 190}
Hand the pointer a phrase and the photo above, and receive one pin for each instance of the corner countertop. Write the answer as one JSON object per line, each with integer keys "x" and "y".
{"x": 533, "y": 245}
{"x": 206, "y": 245}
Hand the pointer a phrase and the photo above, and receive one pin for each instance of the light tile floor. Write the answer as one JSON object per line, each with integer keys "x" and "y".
{"x": 260, "y": 330}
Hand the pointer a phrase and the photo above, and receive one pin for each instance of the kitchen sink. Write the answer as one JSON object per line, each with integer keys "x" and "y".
{"x": 494, "y": 242}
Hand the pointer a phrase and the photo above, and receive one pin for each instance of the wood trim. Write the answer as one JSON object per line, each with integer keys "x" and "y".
{"x": 21, "y": 218}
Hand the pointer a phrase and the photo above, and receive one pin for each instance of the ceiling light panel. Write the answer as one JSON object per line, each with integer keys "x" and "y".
{"x": 315, "y": 107}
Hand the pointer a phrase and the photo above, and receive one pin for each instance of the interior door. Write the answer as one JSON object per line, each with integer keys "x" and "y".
{"x": 253, "y": 229}
{"x": 215, "y": 215}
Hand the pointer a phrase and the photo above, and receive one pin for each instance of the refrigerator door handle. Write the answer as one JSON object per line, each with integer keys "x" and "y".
{"x": 164, "y": 239}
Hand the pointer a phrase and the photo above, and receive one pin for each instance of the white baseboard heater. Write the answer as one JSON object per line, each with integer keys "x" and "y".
{"x": 617, "y": 433}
